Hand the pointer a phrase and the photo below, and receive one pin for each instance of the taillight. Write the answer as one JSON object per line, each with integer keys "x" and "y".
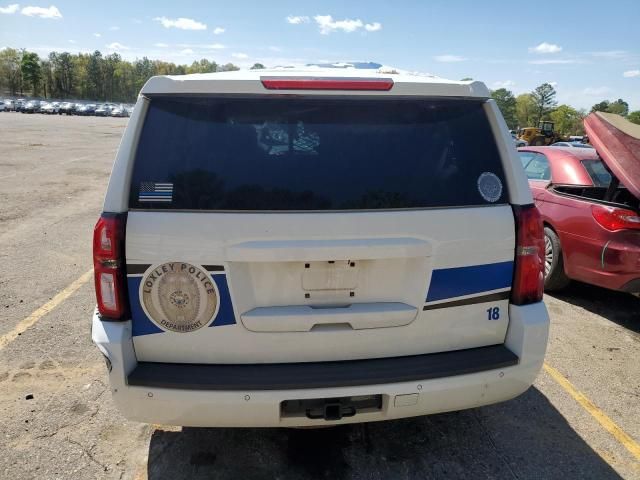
{"x": 528, "y": 275}
{"x": 614, "y": 219}
{"x": 108, "y": 265}
{"x": 315, "y": 83}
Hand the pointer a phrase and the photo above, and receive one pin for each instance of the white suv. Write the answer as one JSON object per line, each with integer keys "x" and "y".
{"x": 316, "y": 246}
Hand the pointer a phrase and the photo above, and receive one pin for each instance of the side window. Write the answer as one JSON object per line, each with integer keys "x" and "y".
{"x": 525, "y": 158}
{"x": 538, "y": 168}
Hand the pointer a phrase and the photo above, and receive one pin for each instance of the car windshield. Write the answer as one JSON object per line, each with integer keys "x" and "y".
{"x": 598, "y": 172}
{"x": 315, "y": 154}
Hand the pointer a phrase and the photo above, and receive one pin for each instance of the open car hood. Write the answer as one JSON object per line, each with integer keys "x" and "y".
{"x": 617, "y": 141}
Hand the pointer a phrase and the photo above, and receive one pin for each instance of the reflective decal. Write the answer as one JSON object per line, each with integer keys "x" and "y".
{"x": 490, "y": 187}
{"x": 179, "y": 297}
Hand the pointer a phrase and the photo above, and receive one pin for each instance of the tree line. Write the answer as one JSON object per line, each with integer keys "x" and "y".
{"x": 528, "y": 109}
{"x": 91, "y": 76}
{"x": 94, "y": 76}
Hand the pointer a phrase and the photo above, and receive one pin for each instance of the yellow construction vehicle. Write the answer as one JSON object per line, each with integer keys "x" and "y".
{"x": 543, "y": 135}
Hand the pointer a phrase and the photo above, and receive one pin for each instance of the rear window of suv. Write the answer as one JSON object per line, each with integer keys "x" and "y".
{"x": 292, "y": 153}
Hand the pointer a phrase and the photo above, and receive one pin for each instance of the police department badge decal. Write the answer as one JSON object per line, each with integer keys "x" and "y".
{"x": 179, "y": 297}
{"x": 490, "y": 187}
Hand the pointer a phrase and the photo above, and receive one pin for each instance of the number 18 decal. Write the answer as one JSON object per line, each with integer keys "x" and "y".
{"x": 493, "y": 313}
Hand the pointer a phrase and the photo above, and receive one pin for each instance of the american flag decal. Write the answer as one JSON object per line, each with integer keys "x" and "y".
{"x": 155, "y": 192}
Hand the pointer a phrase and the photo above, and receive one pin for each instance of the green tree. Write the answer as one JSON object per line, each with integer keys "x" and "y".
{"x": 63, "y": 73}
{"x": 31, "y": 72}
{"x": 634, "y": 117}
{"x": 228, "y": 67}
{"x": 47, "y": 77}
{"x": 10, "y": 72}
{"x": 94, "y": 76}
{"x": 466, "y": 79}
{"x": 619, "y": 107}
{"x": 603, "y": 106}
{"x": 507, "y": 104}
{"x": 568, "y": 120}
{"x": 525, "y": 110}
{"x": 544, "y": 98}
{"x": 258, "y": 66}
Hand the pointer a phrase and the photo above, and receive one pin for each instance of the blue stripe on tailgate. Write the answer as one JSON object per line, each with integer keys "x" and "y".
{"x": 141, "y": 325}
{"x": 460, "y": 281}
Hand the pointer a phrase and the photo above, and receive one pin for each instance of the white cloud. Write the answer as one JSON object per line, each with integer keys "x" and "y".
{"x": 97, "y": 35}
{"x": 186, "y": 51}
{"x": 51, "y": 12}
{"x": 555, "y": 61}
{"x": 327, "y": 25}
{"x": 160, "y": 45}
{"x": 504, "y": 84}
{"x": 181, "y": 23}
{"x": 274, "y": 49}
{"x": 218, "y": 31}
{"x": 545, "y": 47}
{"x": 137, "y": 21}
{"x": 553, "y": 84}
{"x": 114, "y": 28}
{"x": 117, "y": 46}
{"x": 596, "y": 91}
{"x": 240, "y": 56}
{"x": 293, "y": 20}
{"x": 10, "y": 9}
{"x": 631, "y": 73}
{"x": 449, "y": 58}
{"x": 373, "y": 27}
{"x": 72, "y": 41}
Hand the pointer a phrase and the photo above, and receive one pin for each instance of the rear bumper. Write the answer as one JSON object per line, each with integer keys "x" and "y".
{"x": 196, "y": 398}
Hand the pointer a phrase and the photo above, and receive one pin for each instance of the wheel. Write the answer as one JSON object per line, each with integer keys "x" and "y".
{"x": 537, "y": 142}
{"x": 554, "y": 276}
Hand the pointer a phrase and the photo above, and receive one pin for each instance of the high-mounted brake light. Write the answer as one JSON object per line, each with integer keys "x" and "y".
{"x": 108, "y": 265}
{"x": 318, "y": 83}
{"x": 614, "y": 219}
{"x": 528, "y": 276}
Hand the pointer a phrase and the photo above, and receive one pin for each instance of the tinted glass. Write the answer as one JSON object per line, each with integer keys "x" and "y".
{"x": 312, "y": 154}
{"x": 598, "y": 172}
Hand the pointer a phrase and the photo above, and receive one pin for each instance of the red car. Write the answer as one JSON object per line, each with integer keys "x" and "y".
{"x": 589, "y": 202}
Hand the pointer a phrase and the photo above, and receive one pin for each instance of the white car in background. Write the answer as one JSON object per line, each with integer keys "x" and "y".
{"x": 307, "y": 247}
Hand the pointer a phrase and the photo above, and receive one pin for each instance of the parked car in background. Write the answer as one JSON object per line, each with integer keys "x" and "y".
{"x": 20, "y": 103}
{"x": 67, "y": 108}
{"x": 104, "y": 110}
{"x": 9, "y": 105}
{"x": 3, "y": 107}
{"x": 86, "y": 109}
{"x": 32, "y": 106}
{"x": 518, "y": 142}
{"x": 50, "y": 108}
{"x": 120, "y": 111}
{"x": 571, "y": 145}
{"x": 590, "y": 206}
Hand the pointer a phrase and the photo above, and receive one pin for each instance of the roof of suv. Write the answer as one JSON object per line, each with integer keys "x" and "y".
{"x": 249, "y": 81}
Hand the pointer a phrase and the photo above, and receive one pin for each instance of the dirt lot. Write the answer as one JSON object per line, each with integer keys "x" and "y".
{"x": 58, "y": 421}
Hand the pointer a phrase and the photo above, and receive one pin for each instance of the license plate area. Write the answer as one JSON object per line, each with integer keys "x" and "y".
{"x": 330, "y": 409}
{"x": 330, "y": 275}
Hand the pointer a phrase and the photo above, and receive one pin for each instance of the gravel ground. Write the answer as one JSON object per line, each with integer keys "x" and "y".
{"x": 58, "y": 421}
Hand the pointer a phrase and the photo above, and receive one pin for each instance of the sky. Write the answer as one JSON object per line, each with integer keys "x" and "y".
{"x": 589, "y": 50}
